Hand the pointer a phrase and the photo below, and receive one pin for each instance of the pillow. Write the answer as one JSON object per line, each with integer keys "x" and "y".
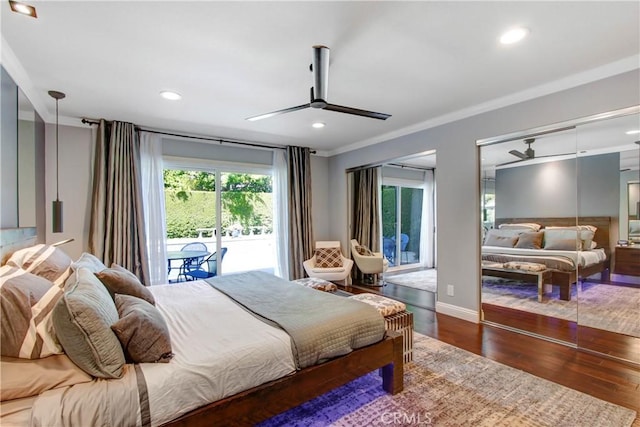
{"x": 557, "y": 238}
{"x": 521, "y": 226}
{"x": 587, "y": 232}
{"x": 363, "y": 250}
{"x": 43, "y": 260}
{"x": 142, "y": 331}
{"x": 119, "y": 280}
{"x": 26, "y": 303}
{"x": 563, "y": 245}
{"x": 24, "y": 378}
{"x": 498, "y": 238}
{"x": 83, "y": 319}
{"x": 89, "y": 261}
{"x": 328, "y": 257}
{"x": 530, "y": 240}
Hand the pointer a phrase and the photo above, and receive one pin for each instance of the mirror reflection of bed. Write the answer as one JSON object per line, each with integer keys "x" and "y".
{"x": 576, "y": 177}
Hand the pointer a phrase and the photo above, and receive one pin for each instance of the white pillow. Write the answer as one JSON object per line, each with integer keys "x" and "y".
{"x": 520, "y": 226}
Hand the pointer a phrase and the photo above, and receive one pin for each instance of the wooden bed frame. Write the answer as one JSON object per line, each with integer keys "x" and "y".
{"x": 565, "y": 279}
{"x": 266, "y": 400}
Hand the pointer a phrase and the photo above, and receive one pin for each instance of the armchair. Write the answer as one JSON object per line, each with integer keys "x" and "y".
{"x": 369, "y": 262}
{"x": 329, "y": 263}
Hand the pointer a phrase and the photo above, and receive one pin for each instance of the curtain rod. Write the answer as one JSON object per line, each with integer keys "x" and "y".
{"x": 204, "y": 138}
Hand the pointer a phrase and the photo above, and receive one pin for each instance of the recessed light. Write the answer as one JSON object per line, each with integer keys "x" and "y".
{"x": 171, "y": 96}
{"x": 318, "y": 125}
{"x": 514, "y": 35}
{"x": 23, "y": 9}
{"x": 633, "y": 132}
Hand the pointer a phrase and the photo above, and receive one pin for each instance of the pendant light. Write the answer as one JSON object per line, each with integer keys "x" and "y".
{"x": 57, "y": 204}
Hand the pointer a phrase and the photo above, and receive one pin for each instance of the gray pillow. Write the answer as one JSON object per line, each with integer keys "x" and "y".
{"x": 82, "y": 319}
{"x": 142, "y": 331}
{"x": 119, "y": 280}
{"x": 500, "y": 238}
{"x": 530, "y": 240}
{"x": 89, "y": 261}
{"x": 562, "y": 245}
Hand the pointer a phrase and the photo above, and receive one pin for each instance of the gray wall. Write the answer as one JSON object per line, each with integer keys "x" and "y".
{"x": 457, "y": 178}
{"x": 556, "y": 189}
{"x": 214, "y": 151}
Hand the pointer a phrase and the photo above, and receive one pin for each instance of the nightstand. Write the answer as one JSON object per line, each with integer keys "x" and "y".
{"x": 627, "y": 260}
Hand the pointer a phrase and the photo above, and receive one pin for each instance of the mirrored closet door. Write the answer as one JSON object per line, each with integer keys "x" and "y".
{"x": 558, "y": 252}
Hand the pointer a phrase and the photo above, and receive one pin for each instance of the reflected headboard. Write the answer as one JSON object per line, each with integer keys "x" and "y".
{"x": 603, "y": 223}
{"x": 12, "y": 239}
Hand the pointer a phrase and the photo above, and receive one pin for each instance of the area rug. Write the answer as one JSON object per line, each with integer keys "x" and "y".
{"x": 601, "y": 306}
{"x": 425, "y": 280}
{"x": 450, "y": 387}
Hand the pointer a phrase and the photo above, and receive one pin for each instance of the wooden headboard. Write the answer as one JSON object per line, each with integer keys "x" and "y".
{"x": 603, "y": 223}
{"x": 12, "y": 239}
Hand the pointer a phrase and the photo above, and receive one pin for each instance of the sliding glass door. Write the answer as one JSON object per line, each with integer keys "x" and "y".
{"x": 229, "y": 212}
{"x": 402, "y": 214}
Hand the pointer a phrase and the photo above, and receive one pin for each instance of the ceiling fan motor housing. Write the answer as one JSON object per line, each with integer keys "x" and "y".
{"x": 320, "y": 87}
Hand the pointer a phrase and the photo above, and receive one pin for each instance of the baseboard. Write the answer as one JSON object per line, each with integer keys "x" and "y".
{"x": 459, "y": 312}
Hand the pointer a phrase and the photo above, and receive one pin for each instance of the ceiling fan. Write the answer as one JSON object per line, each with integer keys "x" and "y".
{"x": 529, "y": 153}
{"x": 320, "y": 70}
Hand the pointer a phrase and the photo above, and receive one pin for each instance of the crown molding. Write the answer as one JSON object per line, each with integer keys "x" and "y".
{"x": 608, "y": 70}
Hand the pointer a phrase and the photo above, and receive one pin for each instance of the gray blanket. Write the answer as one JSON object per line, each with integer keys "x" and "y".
{"x": 321, "y": 325}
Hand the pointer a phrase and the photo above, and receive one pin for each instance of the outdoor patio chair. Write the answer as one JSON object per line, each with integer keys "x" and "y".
{"x": 211, "y": 263}
{"x": 191, "y": 263}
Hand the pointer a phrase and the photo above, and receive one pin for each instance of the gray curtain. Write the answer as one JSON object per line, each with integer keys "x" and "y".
{"x": 301, "y": 226}
{"x": 116, "y": 233}
{"x": 366, "y": 211}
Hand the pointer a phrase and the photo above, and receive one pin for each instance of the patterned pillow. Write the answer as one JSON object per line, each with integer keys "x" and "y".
{"x": 318, "y": 284}
{"x": 328, "y": 258}
{"x": 44, "y": 261}
{"x": 363, "y": 250}
{"x": 27, "y": 301}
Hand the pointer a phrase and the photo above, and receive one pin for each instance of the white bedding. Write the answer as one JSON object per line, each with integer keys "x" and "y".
{"x": 213, "y": 360}
{"x": 579, "y": 258}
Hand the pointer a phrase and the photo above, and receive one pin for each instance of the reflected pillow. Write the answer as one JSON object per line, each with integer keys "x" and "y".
{"x": 119, "y": 280}
{"x": 530, "y": 240}
{"x": 520, "y": 226}
{"x": 501, "y": 238}
{"x": 562, "y": 245}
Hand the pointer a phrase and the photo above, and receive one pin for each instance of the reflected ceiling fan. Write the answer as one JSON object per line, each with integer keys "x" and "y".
{"x": 529, "y": 153}
{"x": 320, "y": 70}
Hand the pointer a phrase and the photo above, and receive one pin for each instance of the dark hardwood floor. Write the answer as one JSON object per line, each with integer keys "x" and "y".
{"x": 598, "y": 376}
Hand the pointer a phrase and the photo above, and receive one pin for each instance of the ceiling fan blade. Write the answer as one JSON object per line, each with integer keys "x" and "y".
{"x": 357, "y": 112}
{"x": 519, "y": 154}
{"x": 278, "y": 112}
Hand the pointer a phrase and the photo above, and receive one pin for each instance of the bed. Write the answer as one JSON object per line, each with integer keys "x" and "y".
{"x": 566, "y": 266}
{"x": 237, "y": 369}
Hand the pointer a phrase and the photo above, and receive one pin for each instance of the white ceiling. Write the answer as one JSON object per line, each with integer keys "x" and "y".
{"x": 422, "y": 62}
